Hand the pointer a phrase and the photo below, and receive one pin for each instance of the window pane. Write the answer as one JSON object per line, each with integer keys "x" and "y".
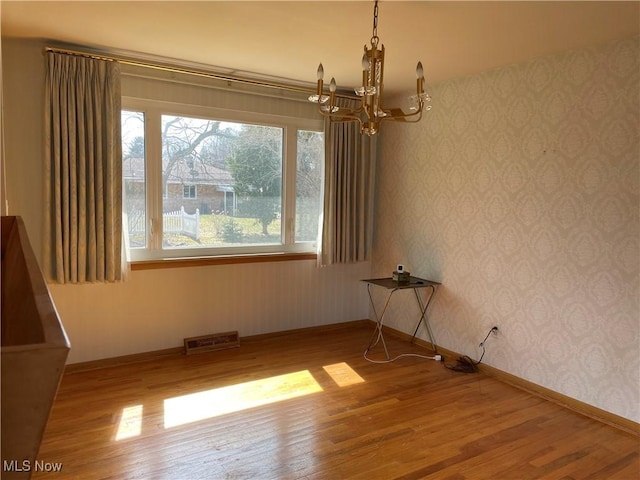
{"x": 223, "y": 183}
{"x": 309, "y": 169}
{"x": 133, "y": 174}
{"x": 189, "y": 191}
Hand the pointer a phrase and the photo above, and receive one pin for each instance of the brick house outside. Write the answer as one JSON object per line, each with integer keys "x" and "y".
{"x": 192, "y": 185}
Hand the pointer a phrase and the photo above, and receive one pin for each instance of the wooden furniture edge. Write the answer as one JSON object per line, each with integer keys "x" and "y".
{"x": 577, "y": 406}
{"x": 221, "y": 260}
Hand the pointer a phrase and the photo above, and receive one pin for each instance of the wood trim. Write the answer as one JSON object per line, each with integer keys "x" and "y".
{"x": 123, "y": 360}
{"x": 317, "y": 329}
{"x": 590, "y": 411}
{"x": 563, "y": 400}
{"x": 221, "y": 260}
{"x": 178, "y": 351}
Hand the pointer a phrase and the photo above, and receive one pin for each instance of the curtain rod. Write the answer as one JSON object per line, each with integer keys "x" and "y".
{"x": 183, "y": 70}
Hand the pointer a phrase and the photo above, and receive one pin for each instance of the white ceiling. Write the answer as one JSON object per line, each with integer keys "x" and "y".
{"x": 288, "y": 39}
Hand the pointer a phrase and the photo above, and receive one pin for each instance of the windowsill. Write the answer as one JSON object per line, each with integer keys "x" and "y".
{"x": 221, "y": 260}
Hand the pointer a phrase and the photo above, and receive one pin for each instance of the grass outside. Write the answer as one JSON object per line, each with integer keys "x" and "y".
{"x": 223, "y": 230}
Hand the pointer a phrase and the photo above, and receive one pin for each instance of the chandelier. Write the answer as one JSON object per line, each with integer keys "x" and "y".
{"x": 371, "y": 112}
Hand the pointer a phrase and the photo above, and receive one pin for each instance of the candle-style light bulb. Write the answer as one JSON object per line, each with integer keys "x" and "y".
{"x": 420, "y": 83}
{"x": 365, "y": 62}
{"x": 332, "y": 85}
{"x": 320, "y": 72}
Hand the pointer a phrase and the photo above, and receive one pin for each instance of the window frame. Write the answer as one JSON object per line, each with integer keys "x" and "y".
{"x": 190, "y": 186}
{"x": 153, "y": 111}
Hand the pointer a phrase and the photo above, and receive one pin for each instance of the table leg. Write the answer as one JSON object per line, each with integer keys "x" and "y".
{"x": 424, "y": 318}
{"x": 377, "y": 334}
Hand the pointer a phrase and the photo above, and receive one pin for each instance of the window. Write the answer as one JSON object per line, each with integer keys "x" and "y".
{"x": 201, "y": 182}
{"x": 134, "y": 180}
{"x": 188, "y": 191}
{"x": 309, "y": 168}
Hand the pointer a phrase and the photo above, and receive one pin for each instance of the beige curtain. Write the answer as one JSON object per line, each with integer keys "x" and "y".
{"x": 347, "y": 222}
{"x": 83, "y": 170}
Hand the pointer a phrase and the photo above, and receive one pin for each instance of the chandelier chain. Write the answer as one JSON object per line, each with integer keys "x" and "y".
{"x": 374, "y": 36}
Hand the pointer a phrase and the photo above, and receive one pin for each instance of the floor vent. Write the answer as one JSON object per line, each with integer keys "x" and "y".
{"x": 208, "y": 343}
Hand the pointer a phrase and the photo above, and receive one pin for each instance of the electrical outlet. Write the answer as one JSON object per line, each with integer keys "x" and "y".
{"x": 494, "y": 331}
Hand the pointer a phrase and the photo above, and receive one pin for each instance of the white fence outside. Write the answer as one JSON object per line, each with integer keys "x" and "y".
{"x": 172, "y": 222}
{"x": 182, "y": 223}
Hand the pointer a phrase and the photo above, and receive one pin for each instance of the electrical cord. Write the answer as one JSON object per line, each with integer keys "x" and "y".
{"x": 435, "y": 357}
{"x": 465, "y": 364}
{"x": 426, "y": 357}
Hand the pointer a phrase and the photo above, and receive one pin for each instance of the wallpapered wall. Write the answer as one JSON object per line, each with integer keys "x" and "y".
{"x": 519, "y": 191}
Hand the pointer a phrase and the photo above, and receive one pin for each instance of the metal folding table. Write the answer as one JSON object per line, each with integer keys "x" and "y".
{"x": 393, "y": 286}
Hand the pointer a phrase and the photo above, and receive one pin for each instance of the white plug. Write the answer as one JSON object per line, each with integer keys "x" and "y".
{"x": 438, "y": 358}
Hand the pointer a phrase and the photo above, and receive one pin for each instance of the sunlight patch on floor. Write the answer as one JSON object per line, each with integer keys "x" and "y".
{"x": 130, "y": 424}
{"x": 343, "y": 374}
{"x": 219, "y": 401}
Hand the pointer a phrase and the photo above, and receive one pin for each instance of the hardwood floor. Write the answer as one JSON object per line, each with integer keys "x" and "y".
{"x": 275, "y": 409}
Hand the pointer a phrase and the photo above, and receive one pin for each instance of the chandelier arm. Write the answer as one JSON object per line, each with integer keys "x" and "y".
{"x": 331, "y": 110}
{"x": 342, "y": 112}
{"x": 398, "y": 114}
{"x": 369, "y": 113}
{"x": 406, "y": 117}
{"x": 343, "y": 117}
